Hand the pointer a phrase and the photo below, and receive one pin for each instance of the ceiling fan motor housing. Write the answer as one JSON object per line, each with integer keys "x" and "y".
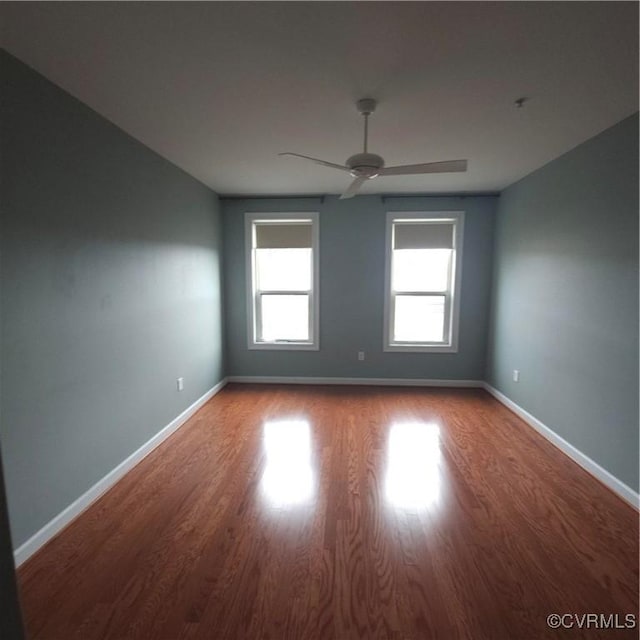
{"x": 365, "y": 165}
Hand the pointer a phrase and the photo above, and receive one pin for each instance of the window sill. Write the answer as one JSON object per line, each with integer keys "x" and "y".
{"x": 421, "y": 348}
{"x": 283, "y": 346}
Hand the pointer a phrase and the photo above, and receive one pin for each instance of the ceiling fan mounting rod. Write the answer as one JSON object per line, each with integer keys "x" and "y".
{"x": 366, "y": 107}
{"x": 366, "y": 130}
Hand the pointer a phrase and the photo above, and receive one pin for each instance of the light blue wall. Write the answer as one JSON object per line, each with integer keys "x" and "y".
{"x": 565, "y": 310}
{"x": 111, "y": 289}
{"x": 352, "y": 265}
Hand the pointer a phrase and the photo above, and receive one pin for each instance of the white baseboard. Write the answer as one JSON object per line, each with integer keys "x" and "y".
{"x": 391, "y": 382}
{"x": 28, "y": 548}
{"x": 601, "y": 474}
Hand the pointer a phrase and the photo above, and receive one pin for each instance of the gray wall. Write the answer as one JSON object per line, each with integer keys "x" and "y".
{"x": 565, "y": 310}
{"x": 352, "y": 264}
{"x": 111, "y": 289}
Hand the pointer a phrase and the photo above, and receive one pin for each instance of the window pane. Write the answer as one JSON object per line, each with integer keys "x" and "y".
{"x": 419, "y": 319}
{"x": 285, "y": 317}
{"x": 420, "y": 269}
{"x": 283, "y": 269}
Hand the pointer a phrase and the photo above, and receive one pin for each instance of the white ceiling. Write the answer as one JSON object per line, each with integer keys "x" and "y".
{"x": 219, "y": 88}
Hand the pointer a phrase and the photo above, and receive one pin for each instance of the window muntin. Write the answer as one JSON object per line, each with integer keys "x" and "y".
{"x": 423, "y": 273}
{"x": 282, "y": 283}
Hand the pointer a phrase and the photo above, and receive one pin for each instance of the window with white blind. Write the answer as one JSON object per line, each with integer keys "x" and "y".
{"x": 423, "y": 267}
{"x": 282, "y": 280}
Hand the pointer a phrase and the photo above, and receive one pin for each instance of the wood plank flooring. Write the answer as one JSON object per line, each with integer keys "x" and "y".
{"x": 313, "y": 513}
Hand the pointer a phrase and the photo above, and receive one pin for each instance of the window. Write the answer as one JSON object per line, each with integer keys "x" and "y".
{"x": 282, "y": 282}
{"x": 424, "y": 259}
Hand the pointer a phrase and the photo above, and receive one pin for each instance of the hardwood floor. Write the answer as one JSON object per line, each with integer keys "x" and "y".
{"x": 314, "y": 513}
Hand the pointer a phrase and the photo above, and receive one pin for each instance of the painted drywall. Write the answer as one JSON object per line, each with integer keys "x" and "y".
{"x": 111, "y": 290}
{"x": 565, "y": 303}
{"x": 352, "y": 266}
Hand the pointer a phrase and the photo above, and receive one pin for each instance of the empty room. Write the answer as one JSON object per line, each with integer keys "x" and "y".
{"x": 319, "y": 320}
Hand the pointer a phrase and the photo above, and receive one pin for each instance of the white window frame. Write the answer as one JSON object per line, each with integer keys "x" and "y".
{"x": 452, "y": 297}
{"x": 313, "y": 344}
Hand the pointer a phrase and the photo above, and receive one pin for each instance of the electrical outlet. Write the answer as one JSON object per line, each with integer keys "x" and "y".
{"x": 516, "y": 375}
{"x": 180, "y": 384}
{"x": 360, "y": 355}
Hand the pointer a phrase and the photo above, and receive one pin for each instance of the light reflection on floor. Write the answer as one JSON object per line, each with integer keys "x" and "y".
{"x": 413, "y": 465}
{"x": 288, "y": 478}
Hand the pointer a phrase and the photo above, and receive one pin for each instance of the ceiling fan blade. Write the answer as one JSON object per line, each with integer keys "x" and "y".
{"x": 354, "y": 187}
{"x": 316, "y": 160}
{"x": 448, "y": 166}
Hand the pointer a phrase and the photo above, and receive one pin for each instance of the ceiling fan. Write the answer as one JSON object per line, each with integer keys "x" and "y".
{"x": 366, "y": 166}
